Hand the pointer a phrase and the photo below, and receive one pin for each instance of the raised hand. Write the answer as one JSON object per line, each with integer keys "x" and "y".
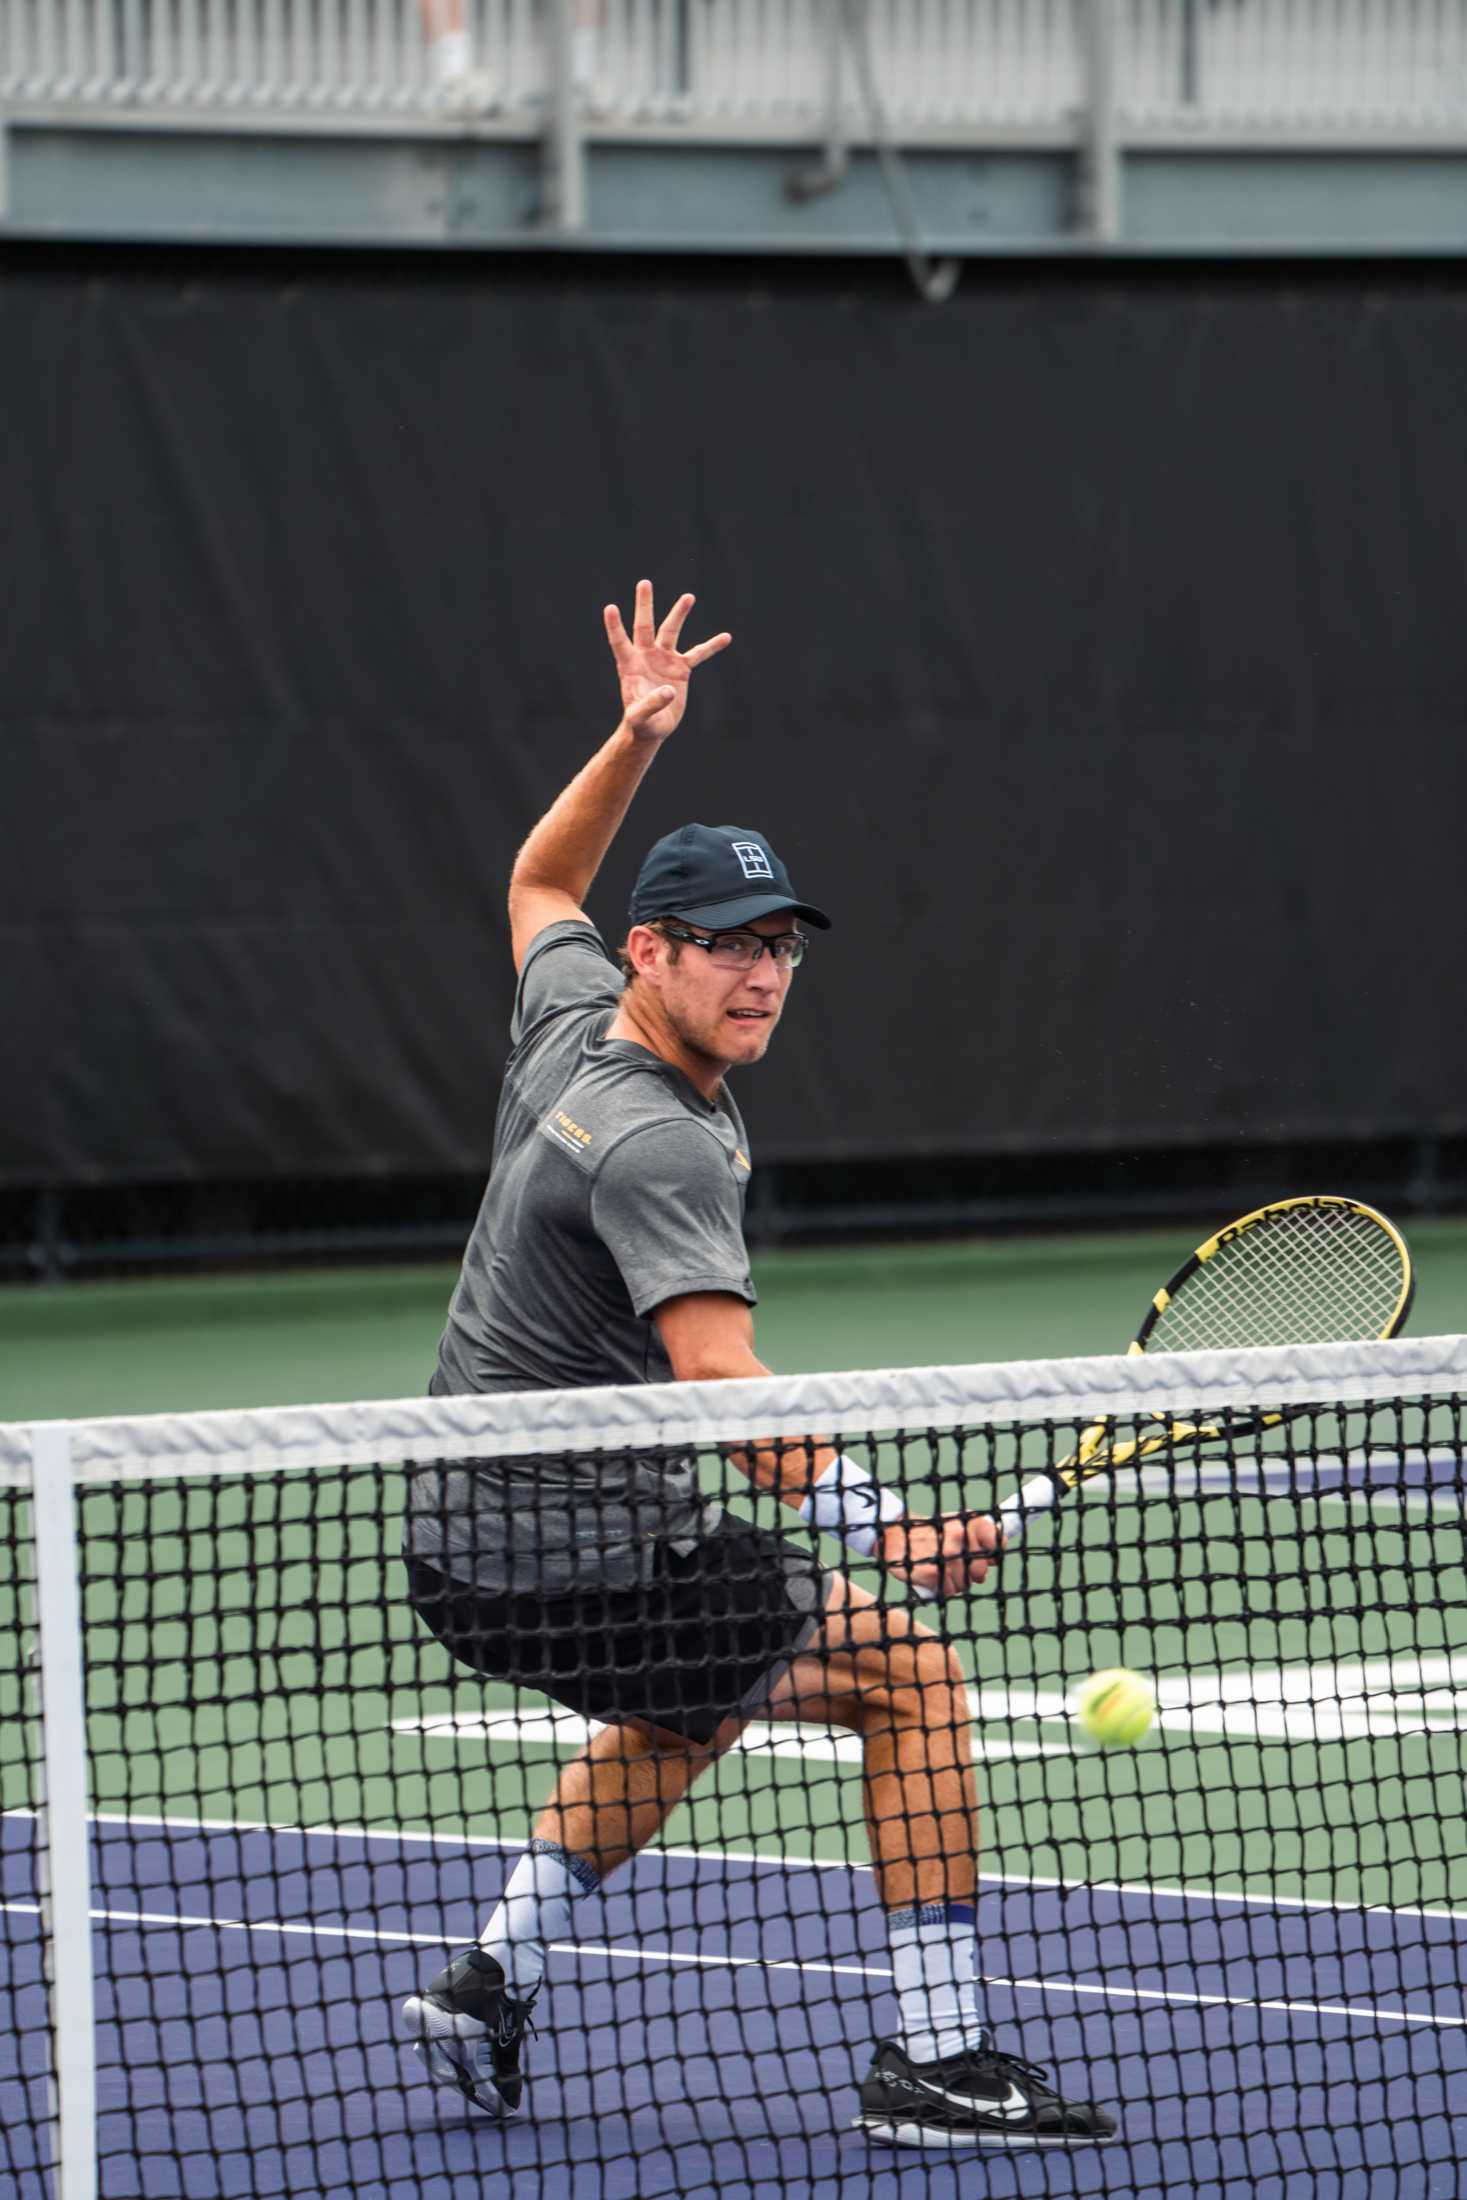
{"x": 941, "y": 1557}
{"x": 654, "y": 673}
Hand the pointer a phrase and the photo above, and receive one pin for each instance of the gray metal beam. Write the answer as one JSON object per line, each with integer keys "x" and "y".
{"x": 486, "y": 189}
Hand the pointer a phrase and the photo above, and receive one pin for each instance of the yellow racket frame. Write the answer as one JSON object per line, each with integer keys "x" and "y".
{"x": 1095, "y": 1455}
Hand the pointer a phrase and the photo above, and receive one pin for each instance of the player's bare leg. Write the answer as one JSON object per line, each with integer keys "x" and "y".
{"x": 616, "y": 1796}
{"x": 876, "y": 1669}
{"x": 872, "y": 1668}
{"x": 469, "y": 2025}
{"x": 943, "y": 2084}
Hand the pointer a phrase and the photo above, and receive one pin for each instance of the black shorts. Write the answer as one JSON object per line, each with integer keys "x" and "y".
{"x": 708, "y": 1636}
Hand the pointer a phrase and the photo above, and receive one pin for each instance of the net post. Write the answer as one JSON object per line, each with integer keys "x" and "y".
{"x": 65, "y": 1861}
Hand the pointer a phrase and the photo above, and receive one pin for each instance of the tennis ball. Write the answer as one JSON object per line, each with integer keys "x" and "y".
{"x": 1116, "y": 1707}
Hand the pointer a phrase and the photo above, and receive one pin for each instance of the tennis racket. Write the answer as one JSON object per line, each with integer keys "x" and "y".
{"x": 1317, "y": 1270}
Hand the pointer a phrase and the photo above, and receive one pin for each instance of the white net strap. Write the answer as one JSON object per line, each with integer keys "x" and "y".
{"x": 645, "y": 1415}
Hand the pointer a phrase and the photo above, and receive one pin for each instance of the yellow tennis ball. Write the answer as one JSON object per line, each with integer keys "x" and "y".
{"x": 1116, "y": 1707}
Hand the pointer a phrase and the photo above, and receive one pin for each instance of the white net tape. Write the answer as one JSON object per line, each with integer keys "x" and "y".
{"x": 520, "y": 1423}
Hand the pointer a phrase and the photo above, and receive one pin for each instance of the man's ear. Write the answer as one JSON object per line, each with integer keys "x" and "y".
{"x": 643, "y": 949}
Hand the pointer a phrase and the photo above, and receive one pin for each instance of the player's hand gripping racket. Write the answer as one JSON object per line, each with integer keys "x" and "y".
{"x": 1319, "y": 1270}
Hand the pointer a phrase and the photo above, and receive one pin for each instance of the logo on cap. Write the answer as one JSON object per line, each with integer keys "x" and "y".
{"x": 753, "y": 861}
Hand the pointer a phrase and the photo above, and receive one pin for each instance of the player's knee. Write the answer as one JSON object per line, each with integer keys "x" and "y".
{"x": 938, "y": 1663}
{"x": 955, "y": 1709}
{"x": 938, "y": 1692}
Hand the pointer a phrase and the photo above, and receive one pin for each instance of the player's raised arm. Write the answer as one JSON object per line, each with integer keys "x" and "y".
{"x": 554, "y": 869}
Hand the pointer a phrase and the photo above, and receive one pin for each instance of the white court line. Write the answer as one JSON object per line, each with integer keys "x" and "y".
{"x": 568, "y": 1730}
{"x": 378, "y": 1934}
{"x": 1366, "y": 2012}
{"x": 1343, "y": 1699}
{"x": 771, "y": 1861}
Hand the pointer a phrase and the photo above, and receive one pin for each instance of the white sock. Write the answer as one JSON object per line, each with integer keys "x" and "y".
{"x": 534, "y": 1909}
{"x": 934, "y": 1953}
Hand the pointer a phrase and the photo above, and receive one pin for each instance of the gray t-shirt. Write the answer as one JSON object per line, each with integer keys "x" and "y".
{"x": 615, "y": 1186}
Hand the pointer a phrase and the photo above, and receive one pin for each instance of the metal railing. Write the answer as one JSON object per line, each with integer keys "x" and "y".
{"x": 713, "y": 67}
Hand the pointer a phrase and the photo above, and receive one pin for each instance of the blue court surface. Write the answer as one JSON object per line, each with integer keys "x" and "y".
{"x": 708, "y": 2032}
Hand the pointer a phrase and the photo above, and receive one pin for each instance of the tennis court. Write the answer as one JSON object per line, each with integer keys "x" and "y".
{"x": 1248, "y": 1933}
{"x": 1284, "y": 2047}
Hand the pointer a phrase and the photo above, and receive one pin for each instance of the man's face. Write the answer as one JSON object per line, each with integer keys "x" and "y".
{"x": 726, "y": 1015}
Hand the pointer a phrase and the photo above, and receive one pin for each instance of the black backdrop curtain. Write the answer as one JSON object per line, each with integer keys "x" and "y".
{"x": 1100, "y": 662}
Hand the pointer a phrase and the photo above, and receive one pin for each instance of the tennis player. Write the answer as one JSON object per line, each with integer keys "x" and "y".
{"x": 609, "y": 1248}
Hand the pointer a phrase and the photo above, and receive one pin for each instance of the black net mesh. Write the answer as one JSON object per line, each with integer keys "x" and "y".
{"x": 1245, "y": 1938}
{"x": 27, "y": 2136}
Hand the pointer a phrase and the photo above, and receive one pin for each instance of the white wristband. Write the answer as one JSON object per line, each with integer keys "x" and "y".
{"x": 847, "y": 1502}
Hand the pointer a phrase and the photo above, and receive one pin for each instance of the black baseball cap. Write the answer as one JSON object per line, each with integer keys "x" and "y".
{"x": 718, "y": 875}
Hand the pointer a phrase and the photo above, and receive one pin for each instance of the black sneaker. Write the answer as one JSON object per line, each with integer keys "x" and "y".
{"x": 468, "y": 2029}
{"x": 977, "y": 2098}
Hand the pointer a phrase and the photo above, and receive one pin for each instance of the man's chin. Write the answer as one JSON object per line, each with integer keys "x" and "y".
{"x": 747, "y": 1042}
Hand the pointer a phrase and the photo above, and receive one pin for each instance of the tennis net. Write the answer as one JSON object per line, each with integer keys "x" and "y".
{"x": 283, "y": 1807}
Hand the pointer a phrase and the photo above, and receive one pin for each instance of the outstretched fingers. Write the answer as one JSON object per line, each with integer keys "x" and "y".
{"x": 672, "y": 626}
{"x": 641, "y": 634}
{"x": 669, "y": 634}
{"x": 650, "y": 650}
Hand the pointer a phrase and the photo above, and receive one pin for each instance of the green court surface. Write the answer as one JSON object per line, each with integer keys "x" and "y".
{"x": 147, "y": 1347}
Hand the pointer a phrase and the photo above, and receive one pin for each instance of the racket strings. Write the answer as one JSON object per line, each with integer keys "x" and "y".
{"x": 1307, "y": 1276}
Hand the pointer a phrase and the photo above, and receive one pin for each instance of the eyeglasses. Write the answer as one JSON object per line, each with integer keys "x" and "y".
{"x": 741, "y": 950}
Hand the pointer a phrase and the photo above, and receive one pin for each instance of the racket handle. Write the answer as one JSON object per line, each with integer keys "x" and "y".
{"x": 1038, "y": 1494}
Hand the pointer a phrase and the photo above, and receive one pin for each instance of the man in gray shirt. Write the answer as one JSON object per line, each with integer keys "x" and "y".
{"x": 616, "y": 1187}
{"x": 609, "y": 1248}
